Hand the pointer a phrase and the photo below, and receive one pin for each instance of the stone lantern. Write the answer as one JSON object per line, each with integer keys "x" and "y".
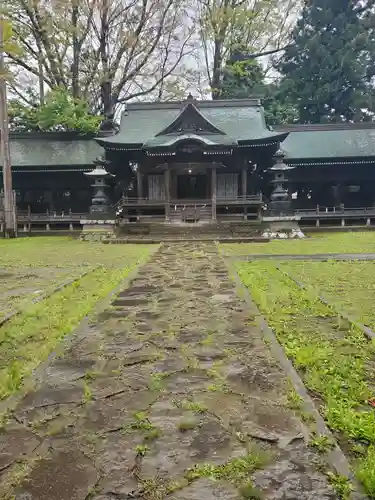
{"x": 280, "y": 200}
{"x": 100, "y": 203}
{"x": 101, "y": 221}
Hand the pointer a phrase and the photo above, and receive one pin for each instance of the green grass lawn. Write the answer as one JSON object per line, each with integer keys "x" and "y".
{"x": 361, "y": 242}
{"x": 334, "y": 358}
{"x": 30, "y": 267}
{"x": 39, "y": 264}
{"x": 350, "y": 286}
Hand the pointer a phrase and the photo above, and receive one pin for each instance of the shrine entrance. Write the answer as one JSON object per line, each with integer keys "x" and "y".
{"x": 192, "y": 186}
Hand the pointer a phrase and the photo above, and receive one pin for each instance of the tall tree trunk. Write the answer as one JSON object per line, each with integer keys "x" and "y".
{"x": 41, "y": 78}
{"x": 217, "y": 70}
{"x": 106, "y": 82}
{"x": 76, "y": 50}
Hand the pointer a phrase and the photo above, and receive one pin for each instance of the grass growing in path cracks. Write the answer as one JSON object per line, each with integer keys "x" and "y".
{"x": 236, "y": 471}
{"x": 332, "y": 362}
{"x": 187, "y": 404}
{"x": 322, "y": 444}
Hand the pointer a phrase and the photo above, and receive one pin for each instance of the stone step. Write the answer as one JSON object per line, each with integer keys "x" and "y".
{"x": 212, "y": 231}
{"x": 170, "y": 239}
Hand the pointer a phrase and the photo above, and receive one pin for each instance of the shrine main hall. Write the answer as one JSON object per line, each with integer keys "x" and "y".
{"x": 195, "y": 161}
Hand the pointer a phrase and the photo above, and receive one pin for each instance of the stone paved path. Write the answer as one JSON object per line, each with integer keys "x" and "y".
{"x": 169, "y": 387}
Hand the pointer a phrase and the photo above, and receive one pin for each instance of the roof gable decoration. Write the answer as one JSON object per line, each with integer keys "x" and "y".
{"x": 190, "y": 121}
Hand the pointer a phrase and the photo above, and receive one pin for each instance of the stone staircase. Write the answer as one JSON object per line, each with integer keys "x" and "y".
{"x": 190, "y": 214}
{"x": 186, "y": 231}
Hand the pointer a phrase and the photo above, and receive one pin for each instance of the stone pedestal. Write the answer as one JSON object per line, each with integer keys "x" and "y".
{"x": 98, "y": 228}
{"x": 282, "y": 228}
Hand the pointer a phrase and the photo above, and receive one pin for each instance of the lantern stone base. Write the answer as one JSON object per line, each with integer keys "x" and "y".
{"x": 98, "y": 227}
{"x": 282, "y": 228}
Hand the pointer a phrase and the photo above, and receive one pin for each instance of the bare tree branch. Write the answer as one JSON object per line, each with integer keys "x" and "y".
{"x": 262, "y": 28}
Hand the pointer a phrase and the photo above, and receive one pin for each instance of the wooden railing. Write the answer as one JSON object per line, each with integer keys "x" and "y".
{"x": 27, "y": 216}
{"x": 232, "y": 200}
{"x": 125, "y": 201}
{"x": 333, "y": 212}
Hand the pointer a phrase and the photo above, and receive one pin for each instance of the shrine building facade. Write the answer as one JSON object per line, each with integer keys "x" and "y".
{"x": 192, "y": 161}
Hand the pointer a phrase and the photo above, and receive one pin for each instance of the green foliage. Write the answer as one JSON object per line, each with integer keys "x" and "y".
{"x": 341, "y": 484}
{"x": 87, "y": 393}
{"x": 248, "y": 492}
{"x": 241, "y": 79}
{"x": 61, "y": 112}
{"x": 366, "y": 472}
{"x": 141, "y": 450}
{"x": 323, "y": 444}
{"x": 327, "y": 70}
{"x": 10, "y": 45}
{"x": 245, "y": 78}
{"x": 278, "y": 107}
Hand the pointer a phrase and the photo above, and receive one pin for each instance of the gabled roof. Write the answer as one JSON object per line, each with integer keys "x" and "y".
{"x": 329, "y": 141}
{"x": 234, "y": 120}
{"x": 50, "y": 149}
{"x": 190, "y": 120}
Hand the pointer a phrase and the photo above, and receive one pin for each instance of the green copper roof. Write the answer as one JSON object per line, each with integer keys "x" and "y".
{"x": 39, "y": 151}
{"x": 239, "y": 120}
{"x": 329, "y": 141}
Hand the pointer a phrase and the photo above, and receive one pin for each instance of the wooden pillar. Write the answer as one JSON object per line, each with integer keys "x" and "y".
{"x": 167, "y": 192}
{"x": 213, "y": 191}
{"x": 244, "y": 181}
{"x": 139, "y": 183}
{"x": 244, "y": 189}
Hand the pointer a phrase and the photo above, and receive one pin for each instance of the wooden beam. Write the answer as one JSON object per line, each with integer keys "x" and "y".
{"x": 244, "y": 181}
{"x": 139, "y": 183}
{"x": 213, "y": 191}
{"x": 167, "y": 191}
